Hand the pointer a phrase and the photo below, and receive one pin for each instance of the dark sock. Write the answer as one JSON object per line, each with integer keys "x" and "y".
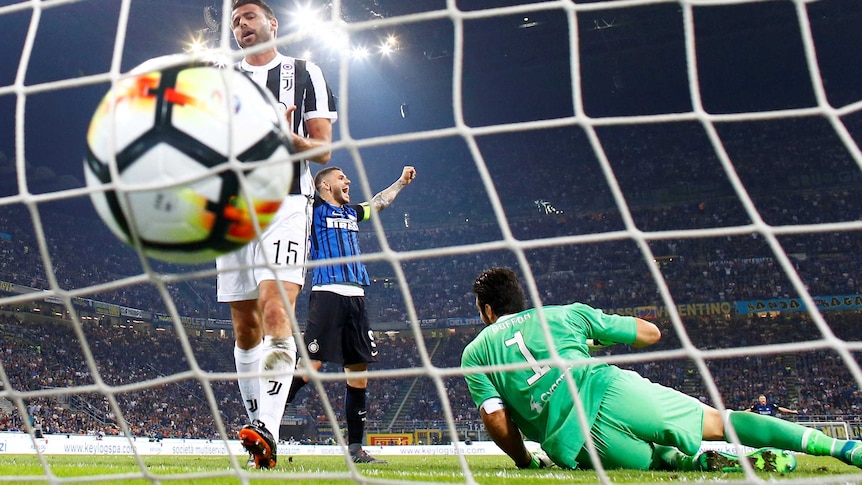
{"x": 354, "y": 408}
{"x": 295, "y": 385}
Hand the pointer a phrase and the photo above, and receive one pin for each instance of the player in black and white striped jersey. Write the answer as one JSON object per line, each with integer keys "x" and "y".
{"x": 275, "y": 261}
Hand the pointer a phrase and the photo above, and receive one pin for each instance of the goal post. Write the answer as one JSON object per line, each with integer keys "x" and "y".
{"x": 835, "y": 429}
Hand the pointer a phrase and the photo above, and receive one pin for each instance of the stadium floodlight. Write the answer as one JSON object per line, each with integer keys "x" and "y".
{"x": 196, "y": 45}
{"x": 389, "y": 45}
{"x": 359, "y": 53}
{"x": 335, "y": 39}
{"x": 305, "y": 18}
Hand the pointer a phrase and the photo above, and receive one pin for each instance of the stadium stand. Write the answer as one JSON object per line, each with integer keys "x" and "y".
{"x": 40, "y": 350}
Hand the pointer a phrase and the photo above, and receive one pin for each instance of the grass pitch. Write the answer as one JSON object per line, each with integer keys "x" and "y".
{"x": 490, "y": 470}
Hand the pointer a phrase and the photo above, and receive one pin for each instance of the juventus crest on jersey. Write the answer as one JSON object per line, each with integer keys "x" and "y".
{"x": 296, "y": 82}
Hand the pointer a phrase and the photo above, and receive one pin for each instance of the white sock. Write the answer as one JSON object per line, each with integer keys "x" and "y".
{"x": 248, "y": 362}
{"x": 279, "y": 355}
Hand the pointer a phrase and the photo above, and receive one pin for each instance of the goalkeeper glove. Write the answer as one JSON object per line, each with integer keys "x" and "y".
{"x": 538, "y": 459}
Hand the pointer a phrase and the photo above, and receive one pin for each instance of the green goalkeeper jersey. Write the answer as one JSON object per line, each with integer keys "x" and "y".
{"x": 537, "y": 397}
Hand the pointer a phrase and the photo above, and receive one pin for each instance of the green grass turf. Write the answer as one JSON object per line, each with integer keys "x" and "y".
{"x": 491, "y": 470}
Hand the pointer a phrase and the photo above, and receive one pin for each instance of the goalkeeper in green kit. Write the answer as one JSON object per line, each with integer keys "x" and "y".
{"x": 633, "y": 423}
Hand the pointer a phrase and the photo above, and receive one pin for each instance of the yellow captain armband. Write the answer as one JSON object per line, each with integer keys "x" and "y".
{"x": 366, "y": 211}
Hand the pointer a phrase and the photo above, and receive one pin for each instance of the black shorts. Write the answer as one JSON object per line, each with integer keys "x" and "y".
{"x": 338, "y": 330}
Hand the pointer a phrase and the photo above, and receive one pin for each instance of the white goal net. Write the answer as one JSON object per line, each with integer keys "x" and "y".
{"x": 692, "y": 162}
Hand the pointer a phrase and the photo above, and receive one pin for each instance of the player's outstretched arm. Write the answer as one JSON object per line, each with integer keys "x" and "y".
{"x": 384, "y": 198}
{"x": 647, "y": 333}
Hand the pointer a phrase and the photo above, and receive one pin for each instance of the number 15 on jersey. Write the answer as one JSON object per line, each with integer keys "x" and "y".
{"x": 286, "y": 253}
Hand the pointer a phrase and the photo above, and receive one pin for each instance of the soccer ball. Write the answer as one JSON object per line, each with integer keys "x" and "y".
{"x": 199, "y": 153}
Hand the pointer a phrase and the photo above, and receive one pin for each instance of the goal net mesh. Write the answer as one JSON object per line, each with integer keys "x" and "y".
{"x": 692, "y": 162}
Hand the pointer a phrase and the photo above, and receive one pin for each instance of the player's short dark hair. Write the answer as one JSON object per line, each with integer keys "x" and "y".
{"x": 500, "y": 288}
{"x": 270, "y": 13}
{"x": 318, "y": 179}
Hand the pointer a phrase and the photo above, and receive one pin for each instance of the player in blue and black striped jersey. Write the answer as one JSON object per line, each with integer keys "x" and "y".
{"x": 337, "y": 329}
{"x": 769, "y": 408}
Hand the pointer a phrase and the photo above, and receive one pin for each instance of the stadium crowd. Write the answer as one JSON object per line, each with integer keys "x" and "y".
{"x": 46, "y": 359}
{"x": 671, "y": 183}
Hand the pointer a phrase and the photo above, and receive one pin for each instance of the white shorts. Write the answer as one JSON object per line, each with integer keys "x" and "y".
{"x": 280, "y": 254}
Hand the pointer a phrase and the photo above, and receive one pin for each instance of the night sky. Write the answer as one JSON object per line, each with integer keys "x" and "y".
{"x": 517, "y": 68}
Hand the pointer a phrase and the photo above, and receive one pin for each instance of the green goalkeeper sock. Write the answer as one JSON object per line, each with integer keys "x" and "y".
{"x": 760, "y": 431}
{"x": 818, "y": 444}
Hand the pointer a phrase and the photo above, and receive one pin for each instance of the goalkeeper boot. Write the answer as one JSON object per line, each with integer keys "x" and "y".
{"x": 258, "y": 441}
{"x": 358, "y": 455}
{"x": 763, "y": 459}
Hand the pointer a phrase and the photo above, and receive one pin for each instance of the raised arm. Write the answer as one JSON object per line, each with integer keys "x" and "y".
{"x": 384, "y": 198}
